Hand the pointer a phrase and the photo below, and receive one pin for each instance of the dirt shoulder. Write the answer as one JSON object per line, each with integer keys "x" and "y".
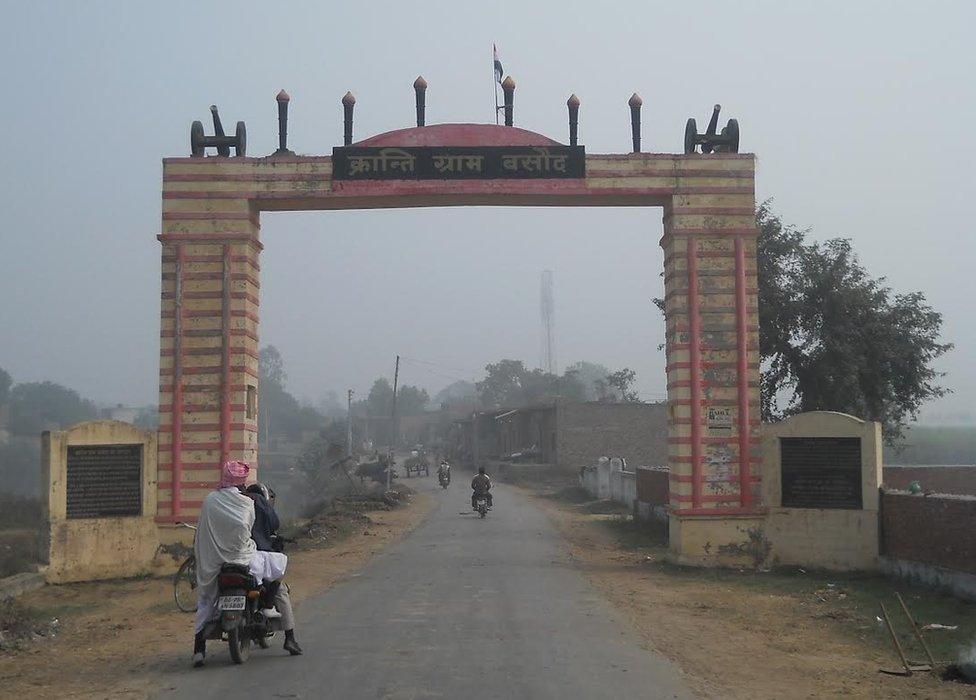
{"x": 754, "y": 634}
{"x": 120, "y": 639}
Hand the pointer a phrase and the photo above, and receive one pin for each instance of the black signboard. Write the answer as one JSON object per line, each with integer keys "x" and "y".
{"x": 821, "y": 472}
{"x": 104, "y": 481}
{"x": 458, "y": 163}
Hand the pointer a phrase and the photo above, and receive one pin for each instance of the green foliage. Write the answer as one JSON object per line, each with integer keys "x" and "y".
{"x": 591, "y": 377}
{"x": 617, "y": 387}
{"x": 411, "y": 400}
{"x": 833, "y": 338}
{"x": 508, "y": 383}
{"x": 5, "y": 383}
{"x": 280, "y": 413}
{"x": 39, "y": 406}
{"x": 380, "y": 400}
{"x": 271, "y": 366}
{"x": 459, "y": 392}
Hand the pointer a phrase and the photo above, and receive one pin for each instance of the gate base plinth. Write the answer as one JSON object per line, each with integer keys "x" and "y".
{"x": 726, "y": 540}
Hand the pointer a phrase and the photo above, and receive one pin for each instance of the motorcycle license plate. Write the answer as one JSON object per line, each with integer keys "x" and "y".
{"x": 231, "y": 602}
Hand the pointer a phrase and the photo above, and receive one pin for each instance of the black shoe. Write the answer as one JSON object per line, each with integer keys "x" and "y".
{"x": 291, "y": 646}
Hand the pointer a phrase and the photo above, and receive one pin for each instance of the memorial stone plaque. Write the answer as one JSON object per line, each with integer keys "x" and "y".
{"x": 104, "y": 481}
{"x": 821, "y": 472}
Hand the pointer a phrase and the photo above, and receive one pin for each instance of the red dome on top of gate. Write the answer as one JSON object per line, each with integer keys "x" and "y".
{"x": 459, "y": 135}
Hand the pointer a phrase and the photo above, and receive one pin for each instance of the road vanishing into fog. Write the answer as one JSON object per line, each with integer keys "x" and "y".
{"x": 459, "y": 608}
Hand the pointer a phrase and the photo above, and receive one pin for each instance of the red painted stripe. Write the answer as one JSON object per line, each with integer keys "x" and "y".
{"x": 225, "y": 391}
{"x": 204, "y": 215}
{"x": 670, "y": 173}
{"x": 189, "y": 484}
{"x": 214, "y": 427}
{"x": 200, "y": 408}
{"x": 715, "y": 232}
{"x": 548, "y": 189}
{"x": 213, "y": 446}
{"x": 684, "y": 479}
{"x": 710, "y": 440}
{"x": 710, "y": 211}
{"x": 185, "y": 504}
{"x": 205, "y": 238}
{"x": 247, "y": 177}
{"x": 744, "y": 385}
{"x": 685, "y": 383}
{"x": 682, "y": 498}
{"x": 255, "y": 160}
{"x": 686, "y": 346}
{"x": 695, "y": 343}
{"x": 246, "y": 296}
{"x": 176, "y": 434}
{"x": 753, "y": 512}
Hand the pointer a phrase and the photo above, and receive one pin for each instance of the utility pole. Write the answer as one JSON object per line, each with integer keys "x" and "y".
{"x": 393, "y": 426}
{"x": 349, "y": 393}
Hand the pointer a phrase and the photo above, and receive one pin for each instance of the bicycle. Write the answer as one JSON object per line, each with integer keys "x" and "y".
{"x": 185, "y": 581}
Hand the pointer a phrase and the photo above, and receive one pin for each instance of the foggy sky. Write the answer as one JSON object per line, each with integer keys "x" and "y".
{"x": 860, "y": 114}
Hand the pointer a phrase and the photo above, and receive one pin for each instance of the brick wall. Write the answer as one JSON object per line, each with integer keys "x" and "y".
{"x": 652, "y": 485}
{"x": 952, "y": 479}
{"x": 931, "y": 530}
{"x": 587, "y": 431}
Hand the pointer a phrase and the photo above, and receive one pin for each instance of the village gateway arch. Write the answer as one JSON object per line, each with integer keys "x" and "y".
{"x": 211, "y": 250}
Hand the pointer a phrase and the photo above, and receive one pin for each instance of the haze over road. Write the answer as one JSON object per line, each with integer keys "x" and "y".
{"x": 461, "y": 607}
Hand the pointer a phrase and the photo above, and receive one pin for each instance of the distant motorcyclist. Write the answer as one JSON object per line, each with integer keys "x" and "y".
{"x": 444, "y": 471}
{"x": 481, "y": 486}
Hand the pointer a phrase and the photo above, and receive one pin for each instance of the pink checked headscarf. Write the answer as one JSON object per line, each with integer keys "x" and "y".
{"x": 234, "y": 473}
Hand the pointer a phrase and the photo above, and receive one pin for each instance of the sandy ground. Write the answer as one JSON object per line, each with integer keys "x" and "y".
{"x": 734, "y": 643}
{"x": 120, "y": 639}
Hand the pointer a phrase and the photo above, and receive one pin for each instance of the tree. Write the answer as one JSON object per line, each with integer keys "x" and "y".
{"x": 380, "y": 399}
{"x": 833, "y": 338}
{"x": 39, "y": 406}
{"x": 5, "y": 383}
{"x": 456, "y": 392}
{"x": 589, "y": 375}
{"x": 271, "y": 366}
{"x": 411, "y": 400}
{"x": 502, "y": 385}
{"x": 280, "y": 413}
{"x": 616, "y": 387}
{"x": 508, "y": 383}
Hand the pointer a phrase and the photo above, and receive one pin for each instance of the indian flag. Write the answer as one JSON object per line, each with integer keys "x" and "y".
{"x": 498, "y": 64}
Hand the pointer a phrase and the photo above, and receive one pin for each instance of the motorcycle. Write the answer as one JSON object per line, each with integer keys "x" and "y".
{"x": 444, "y": 477}
{"x": 481, "y": 504}
{"x": 240, "y": 621}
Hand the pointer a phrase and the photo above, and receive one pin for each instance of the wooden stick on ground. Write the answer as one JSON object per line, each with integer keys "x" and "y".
{"x": 894, "y": 638}
{"x": 915, "y": 630}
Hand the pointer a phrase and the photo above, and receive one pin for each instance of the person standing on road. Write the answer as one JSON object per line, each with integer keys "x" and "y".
{"x": 264, "y": 533}
{"x": 481, "y": 485}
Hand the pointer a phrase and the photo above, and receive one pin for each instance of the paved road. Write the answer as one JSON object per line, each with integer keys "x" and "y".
{"x": 460, "y": 608}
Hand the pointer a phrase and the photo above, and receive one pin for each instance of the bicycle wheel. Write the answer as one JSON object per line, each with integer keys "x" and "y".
{"x": 185, "y": 585}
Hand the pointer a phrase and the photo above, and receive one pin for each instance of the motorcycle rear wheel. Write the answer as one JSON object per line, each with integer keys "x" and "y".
{"x": 240, "y": 645}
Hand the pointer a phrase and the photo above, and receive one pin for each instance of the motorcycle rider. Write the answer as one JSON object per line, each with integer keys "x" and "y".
{"x": 481, "y": 486}
{"x": 444, "y": 471}
{"x": 264, "y": 533}
{"x": 223, "y": 536}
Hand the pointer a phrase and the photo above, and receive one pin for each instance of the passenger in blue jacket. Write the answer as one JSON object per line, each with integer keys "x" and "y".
{"x": 266, "y": 524}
